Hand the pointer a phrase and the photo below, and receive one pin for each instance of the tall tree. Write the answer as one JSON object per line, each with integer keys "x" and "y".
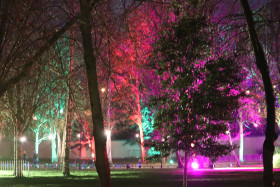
{"x": 102, "y": 164}
{"x": 270, "y": 134}
{"x": 200, "y": 90}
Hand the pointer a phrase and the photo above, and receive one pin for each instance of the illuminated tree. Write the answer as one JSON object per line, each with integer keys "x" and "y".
{"x": 129, "y": 61}
{"x": 199, "y": 92}
{"x": 26, "y": 28}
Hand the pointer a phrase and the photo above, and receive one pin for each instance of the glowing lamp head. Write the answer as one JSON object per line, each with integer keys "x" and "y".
{"x": 34, "y": 117}
{"x": 137, "y": 135}
{"x": 247, "y": 92}
{"x": 50, "y": 137}
{"x": 171, "y": 161}
{"x": 195, "y": 165}
{"x": 78, "y": 135}
{"x": 192, "y": 144}
{"x": 23, "y": 139}
{"x": 103, "y": 90}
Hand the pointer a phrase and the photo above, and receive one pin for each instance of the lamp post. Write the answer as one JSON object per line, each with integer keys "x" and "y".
{"x": 22, "y": 140}
{"x": 80, "y": 156}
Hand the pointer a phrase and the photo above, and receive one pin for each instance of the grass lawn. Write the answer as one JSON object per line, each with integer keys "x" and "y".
{"x": 138, "y": 178}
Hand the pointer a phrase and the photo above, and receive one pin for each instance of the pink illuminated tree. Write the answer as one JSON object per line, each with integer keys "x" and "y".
{"x": 199, "y": 89}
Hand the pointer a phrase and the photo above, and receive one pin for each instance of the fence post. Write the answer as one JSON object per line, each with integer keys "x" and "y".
{"x": 28, "y": 169}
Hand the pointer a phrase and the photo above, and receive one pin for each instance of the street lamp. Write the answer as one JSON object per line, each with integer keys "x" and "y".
{"x": 103, "y": 90}
{"x": 22, "y": 139}
{"x": 50, "y": 137}
{"x": 34, "y": 117}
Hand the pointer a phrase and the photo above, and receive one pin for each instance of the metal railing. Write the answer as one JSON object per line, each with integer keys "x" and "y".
{"x": 19, "y": 168}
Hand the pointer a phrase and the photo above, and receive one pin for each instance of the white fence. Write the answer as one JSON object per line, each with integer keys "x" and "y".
{"x": 19, "y": 168}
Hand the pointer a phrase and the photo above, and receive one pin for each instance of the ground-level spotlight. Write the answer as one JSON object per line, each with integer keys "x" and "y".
{"x": 171, "y": 161}
{"x": 107, "y": 132}
{"x": 23, "y": 139}
{"x": 194, "y": 165}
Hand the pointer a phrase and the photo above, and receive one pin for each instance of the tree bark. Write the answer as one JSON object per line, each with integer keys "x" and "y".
{"x": 66, "y": 169}
{"x": 109, "y": 139}
{"x": 185, "y": 181}
{"x": 179, "y": 160}
{"x": 102, "y": 164}
{"x": 270, "y": 134}
{"x": 139, "y": 120}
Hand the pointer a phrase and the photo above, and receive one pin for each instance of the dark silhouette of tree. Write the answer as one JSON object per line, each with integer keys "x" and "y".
{"x": 102, "y": 164}
{"x": 270, "y": 134}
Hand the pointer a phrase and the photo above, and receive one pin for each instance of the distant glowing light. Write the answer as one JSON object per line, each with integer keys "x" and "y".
{"x": 103, "y": 90}
{"x": 227, "y": 132}
{"x": 34, "y": 117}
{"x": 92, "y": 155}
{"x": 61, "y": 111}
{"x": 171, "y": 161}
{"x": 23, "y": 139}
{"x": 256, "y": 125}
{"x": 78, "y": 135}
{"x": 195, "y": 165}
{"x": 247, "y": 92}
{"x": 50, "y": 137}
{"x": 137, "y": 135}
{"x": 192, "y": 144}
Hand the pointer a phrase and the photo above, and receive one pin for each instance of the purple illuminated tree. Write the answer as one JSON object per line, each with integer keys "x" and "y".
{"x": 199, "y": 91}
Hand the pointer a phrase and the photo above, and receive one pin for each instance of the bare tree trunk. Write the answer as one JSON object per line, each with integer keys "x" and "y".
{"x": 109, "y": 142}
{"x": 231, "y": 143}
{"x": 58, "y": 150}
{"x": 102, "y": 164}
{"x": 63, "y": 140}
{"x": 179, "y": 160}
{"x": 66, "y": 169}
{"x": 139, "y": 121}
{"x": 15, "y": 149}
{"x": 270, "y": 134}
{"x": 185, "y": 181}
{"x": 19, "y": 172}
